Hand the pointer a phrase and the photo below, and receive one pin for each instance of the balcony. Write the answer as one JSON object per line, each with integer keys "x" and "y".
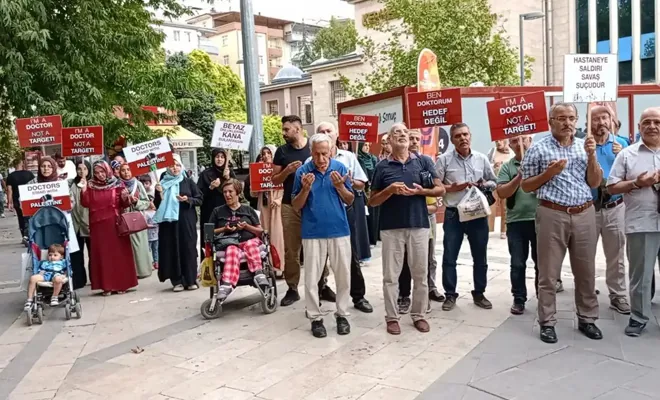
{"x": 274, "y": 52}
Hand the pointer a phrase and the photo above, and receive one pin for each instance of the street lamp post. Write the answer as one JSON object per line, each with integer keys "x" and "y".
{"x": 525, "y": 17}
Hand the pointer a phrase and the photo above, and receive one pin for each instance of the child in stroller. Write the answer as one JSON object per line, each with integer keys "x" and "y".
{"x": 51, "y": 270}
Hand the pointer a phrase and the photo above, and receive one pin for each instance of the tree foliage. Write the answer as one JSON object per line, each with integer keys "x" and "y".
{"x": 337, "y": 39}
{"x": 464, "y": 34}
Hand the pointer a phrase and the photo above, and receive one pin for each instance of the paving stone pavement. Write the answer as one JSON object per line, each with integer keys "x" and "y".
{"x": 470, "y": 353}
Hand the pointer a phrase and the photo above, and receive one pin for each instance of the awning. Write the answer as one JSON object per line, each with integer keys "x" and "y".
{"x": 181, "y": 138}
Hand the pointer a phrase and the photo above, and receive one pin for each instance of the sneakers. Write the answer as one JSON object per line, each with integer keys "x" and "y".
{"x": 620, "y": 305}
{"x": 481, "y": 301}
{"x": 326, "y": 294}
{"x": 517, "y": 309}
{"x": 343, "y": 327}
{"x": 177, "y": 288}
{"x": 404, "y": 304}
{"x": 192, "y": 287}
{"x": 634, "y": 328}
{"x": 224, "y": 291}
{"x": 318, "y": 330}
{"x": 2, "y": 216}
{"x": 54, "y": 302}
{"x": 290, "y": 297}
{"x": 548, "y": 334}
{"x": 28, "y": 304}
{"x": 559, "y": 287}
{"x": 449, "y": 303}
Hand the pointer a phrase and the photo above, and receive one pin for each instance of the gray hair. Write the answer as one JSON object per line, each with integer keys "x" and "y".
{"x": 330, "y": 124}
{"x": 398, "y": 124}
{"x": 320, "y": 138}
{"x": 562, "y": 104}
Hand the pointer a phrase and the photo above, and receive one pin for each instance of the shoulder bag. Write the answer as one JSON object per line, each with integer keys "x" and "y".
{"x": 130, "y": 222}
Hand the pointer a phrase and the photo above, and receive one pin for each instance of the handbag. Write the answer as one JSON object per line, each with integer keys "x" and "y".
{"x": 222, "y": 241}
{"x": 131, "y": 222}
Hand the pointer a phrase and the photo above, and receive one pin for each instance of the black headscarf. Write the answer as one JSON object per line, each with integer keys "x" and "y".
{"x": 218, "y": 171}
{"x": 76, "y": 180}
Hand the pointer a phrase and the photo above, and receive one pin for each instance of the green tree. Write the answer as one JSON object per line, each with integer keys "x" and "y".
{"x": 81, "y": 58}
{"x": 337, "y": 39}
{"x": 464, "y": 34}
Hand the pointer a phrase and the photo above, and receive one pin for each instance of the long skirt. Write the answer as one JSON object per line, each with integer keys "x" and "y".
{"x": 112, "y": 266}
{"x": 374, "y": 225}
{"x": 142, "y": 254}
{"x": 78, "y": 263}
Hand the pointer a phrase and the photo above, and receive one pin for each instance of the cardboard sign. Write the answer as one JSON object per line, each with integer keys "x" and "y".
{"x": 261, "y": 177}
{"x": 149, "y": 156}
{"x": 436, "y": 108}
{"x": 517, "y": 115}
{"x": 591, "y": 77}
{"x": 39, "y": 131}
{"x": 37, "y": 195}
{"x": 82, "y": 141}
{"x": 358, "y": 128}
{"x": 231, "y": 135}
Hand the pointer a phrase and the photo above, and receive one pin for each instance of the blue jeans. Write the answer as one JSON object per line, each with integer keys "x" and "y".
{"x": 153, "y": 245}
{"x": 521, "y": 236}
{"x": 477, "y": 234}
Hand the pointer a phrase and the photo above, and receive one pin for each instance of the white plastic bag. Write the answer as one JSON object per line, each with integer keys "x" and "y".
{"x": 473, "y": 205}
{"x": 26, "y": 270}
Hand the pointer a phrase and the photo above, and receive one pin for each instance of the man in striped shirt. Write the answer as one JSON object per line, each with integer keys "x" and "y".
{"x": 562, "y": 169}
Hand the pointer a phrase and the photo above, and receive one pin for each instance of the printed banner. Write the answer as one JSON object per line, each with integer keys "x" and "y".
{"x": 591, "y": 77}
{"x": 231, "y": 135}
{"x": 358, "y": 128}
{"x": 428, "y": 79}
{"x": 149, "y": 156}
{"x": 37, "y": 195}
{"x": 261, "y": 177}
{"x": 434, "y": 108}
{"x": 82, "y": 141}
{"x": 39, "y": 131}
{"x": 517, "y": 115}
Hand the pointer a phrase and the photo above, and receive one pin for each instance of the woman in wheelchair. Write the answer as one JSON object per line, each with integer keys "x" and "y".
{"x": 240, "y": 222}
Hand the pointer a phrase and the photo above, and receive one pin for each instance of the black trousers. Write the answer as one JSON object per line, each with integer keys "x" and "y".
{"x": 22, "y": 226}
{"x": 78, "y": 263}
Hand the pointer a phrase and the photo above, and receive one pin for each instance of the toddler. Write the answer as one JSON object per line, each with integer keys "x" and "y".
{"x": 52, "y": 270}
{"x": 152, "y": 231}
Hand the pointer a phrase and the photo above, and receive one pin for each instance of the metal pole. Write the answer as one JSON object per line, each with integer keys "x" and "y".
{"x": 549, "y": 54}
{"x": 522, "y": 53}
{"x": 251, "y": 69}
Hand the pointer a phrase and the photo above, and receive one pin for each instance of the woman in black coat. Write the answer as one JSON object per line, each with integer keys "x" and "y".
{"x": 209, "y": 185}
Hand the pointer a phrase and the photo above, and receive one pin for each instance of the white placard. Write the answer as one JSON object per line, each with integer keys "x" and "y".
{"x": 138, "y": 152}
{"x": 231, "y": 135}
{"x": 591, "y": 77}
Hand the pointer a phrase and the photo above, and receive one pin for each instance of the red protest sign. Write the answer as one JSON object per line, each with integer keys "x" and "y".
{"x": 435, "y": 108}
{"x": 358, "y": 128}
{"x": 149, "y": 156}
{"x": 39, "y": 131}
{"x": 518, "y": 115}
{"x": 82, "y": 141}
{"x": 37, "y": 195}
{"x": 261, "y": 177}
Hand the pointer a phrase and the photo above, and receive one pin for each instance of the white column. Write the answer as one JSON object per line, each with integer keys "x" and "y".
{"x": 657, "y": 41}
{"x": 614, "y": 26}
{"x": 572, "y": 28}
{"x": 593, "y": 22}
{"x": 636, "y": 43}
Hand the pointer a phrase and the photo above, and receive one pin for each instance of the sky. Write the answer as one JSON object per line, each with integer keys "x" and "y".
{"x": 295, "y": 10}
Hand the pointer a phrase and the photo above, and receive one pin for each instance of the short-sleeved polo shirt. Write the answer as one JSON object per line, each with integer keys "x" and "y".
{"x": 403, "y": 212}
{"x": 324, "y": 215}
{"x": 525, "y": 203}
{"x": 605, "y": 156}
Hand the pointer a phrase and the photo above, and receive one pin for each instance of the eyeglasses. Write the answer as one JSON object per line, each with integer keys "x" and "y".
{"x": 562, "y": 119}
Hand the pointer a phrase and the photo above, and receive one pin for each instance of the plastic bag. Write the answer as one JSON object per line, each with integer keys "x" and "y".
{"x": 473, "y": 205}
{"x": 26, "y": 270}
{"x": 206, "y": 273}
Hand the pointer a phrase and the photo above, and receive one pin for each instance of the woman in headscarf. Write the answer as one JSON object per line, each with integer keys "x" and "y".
{"x": 176, "y": 199}
{"x": 209, "y": 185}
{"x": 80, "y": 217}
{"x": 367, "y": 160}
{"x": 269, "y": 205}
{"x": 47, "y": 171}
{"x": 139, "y": 241}
{"x": 113, "y": 268}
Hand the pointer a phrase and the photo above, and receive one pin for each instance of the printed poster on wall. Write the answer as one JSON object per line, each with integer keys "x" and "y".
{"x": 261, "y": 177}
{"x": 518, "y": 115}
{"x": 149, "y": 156}
{"x": 39, "y": 131}
{"x": 231, "y": 135}
{"x": 37, "y": 195}
{"x": 82, "y": 141}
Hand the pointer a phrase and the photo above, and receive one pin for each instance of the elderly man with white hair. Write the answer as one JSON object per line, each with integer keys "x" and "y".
{"x": 357, "y": 219}
{"x": 321, "y": 190}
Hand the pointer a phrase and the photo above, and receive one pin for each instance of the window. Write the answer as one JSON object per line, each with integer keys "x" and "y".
{"x": 177, "y": 36}
{"x": 261, "y": 60}
{"x": 582, "y": 31}
{"x": 648, "y": 38}
{"x": 305, "y": 109}
{"x": 337, "y": 95}
{"x": 225, "y": 41}
{"x": 225, "y": 60}
{"x": 189, "y": 37}
{"x": 273, "y": 107}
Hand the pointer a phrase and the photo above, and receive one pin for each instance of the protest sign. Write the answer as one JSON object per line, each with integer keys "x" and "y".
{"x": 231, "y": 135}
{"x": 149, "y": 156}
{"x": 591, "y": 77}
{"x": 39, "y": 131}
{"x": 518, "y": 115}
{"x": 435, "y": 108}
{"x": 37, "y": 195}
{"x": 261, "y": 177}
{"x": 358, "y": 128}
{"x": 82, "y": 141}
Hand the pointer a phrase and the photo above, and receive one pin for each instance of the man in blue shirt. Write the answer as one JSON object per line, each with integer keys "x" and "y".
{"x": 610, "y": 210}
{"x": 320, "y": 190}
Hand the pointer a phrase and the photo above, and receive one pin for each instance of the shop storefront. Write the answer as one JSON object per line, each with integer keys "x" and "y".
{"x": 184, "y": 143}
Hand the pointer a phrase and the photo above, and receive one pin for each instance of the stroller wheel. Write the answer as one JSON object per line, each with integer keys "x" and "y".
{"x": 206, "y": 309}
{"x": 269, "y": 302}
{"x": 40, "y": 315}
{"x": 78, "y": 310}
{"x": 67, "y": 312}
{"x": 28, "y": 313}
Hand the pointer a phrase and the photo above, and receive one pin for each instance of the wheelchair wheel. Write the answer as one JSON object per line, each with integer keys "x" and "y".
{"x": 40, "y": 315}
{"x": 67, "y": 312}
{"x": 269, "y": 303}
{"x": 78, "y": 310}
{"x": 28, "y": 313}
{"x": 206, "y": 309}
{"x": 653, "y": 287}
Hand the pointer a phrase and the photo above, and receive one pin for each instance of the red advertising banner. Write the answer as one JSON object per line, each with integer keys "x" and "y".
{"x": 39, "y": 131}
{"x": 358, "y": 128}
{"x": 261, "y": 177}
{"x": 149, "y": 156}
{"x": 37, "y": 195}
{"x": 435, "y": 108}
{"x": 518, "y": 115}
{"x": 82, "y": 141}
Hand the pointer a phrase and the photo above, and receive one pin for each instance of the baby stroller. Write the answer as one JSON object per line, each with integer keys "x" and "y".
{"x": 212, "y": 307}
{"x": 46, "y": 227}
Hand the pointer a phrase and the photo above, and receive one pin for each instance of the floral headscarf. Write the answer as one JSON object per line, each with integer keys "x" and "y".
{"x": 111, "y": 180}
{"x": 53, "y": 176}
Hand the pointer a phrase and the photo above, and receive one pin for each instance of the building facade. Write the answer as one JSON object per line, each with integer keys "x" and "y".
{"x": 290, "y": 93}
{"x": 181, "y": 37}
